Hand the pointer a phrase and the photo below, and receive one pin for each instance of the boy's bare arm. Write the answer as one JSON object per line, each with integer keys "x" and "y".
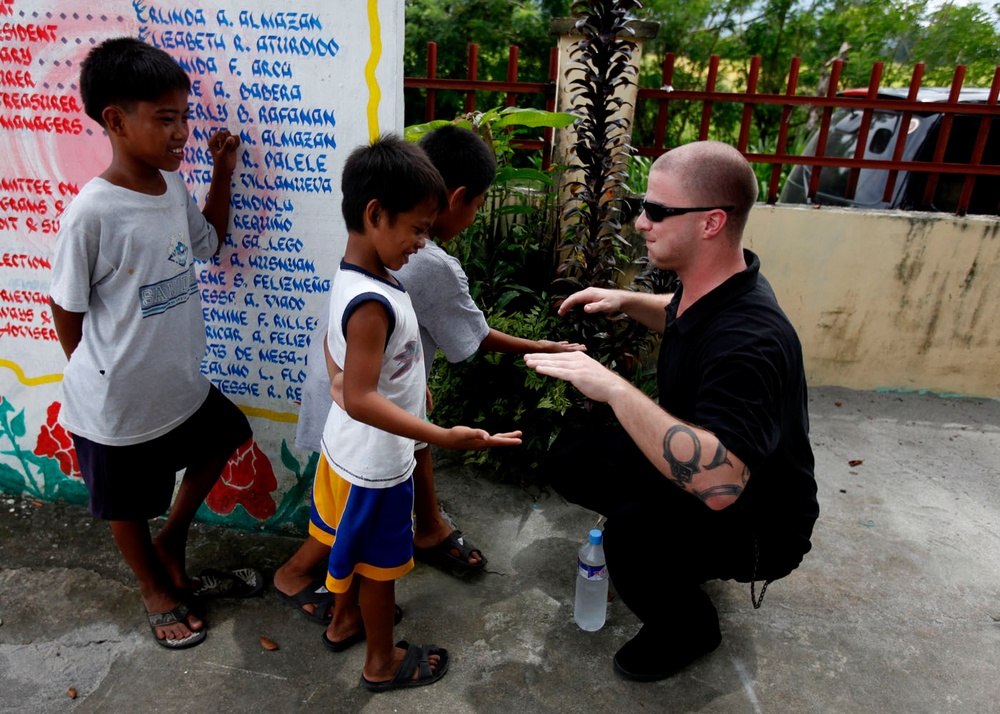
{"x": 496, "y": 341}
{"x": 366, "y": 333}
{"x": 69, "y": 327}
{"x": 222, "y": 146}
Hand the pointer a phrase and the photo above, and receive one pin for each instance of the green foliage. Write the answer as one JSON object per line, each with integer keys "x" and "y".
{"x": 897, "y": 32}
{"x": 500, "y": 128}
{"x": 508, "y": 251}
{"x": 514, "y": 251}
{"x": 796, "y": 144}
{"x": 497, "y": 392}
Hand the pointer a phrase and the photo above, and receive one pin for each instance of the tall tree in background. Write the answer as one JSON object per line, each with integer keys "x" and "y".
{"x": 900, "y": 33}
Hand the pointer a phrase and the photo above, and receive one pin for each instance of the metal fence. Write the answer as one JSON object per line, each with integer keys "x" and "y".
{"x": 943, "y": 176}
{"x": 471, "y": 84}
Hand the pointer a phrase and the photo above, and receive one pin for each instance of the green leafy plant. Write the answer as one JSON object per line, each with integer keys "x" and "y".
{"x": 518, "y": 249}
{"x": 497, "y": 392}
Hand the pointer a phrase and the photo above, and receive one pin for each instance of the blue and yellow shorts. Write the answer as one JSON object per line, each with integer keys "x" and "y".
{"x": 369, "y": 530}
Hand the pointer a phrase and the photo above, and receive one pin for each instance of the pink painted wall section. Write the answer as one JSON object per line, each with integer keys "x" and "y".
{"x": 302, "y": 83}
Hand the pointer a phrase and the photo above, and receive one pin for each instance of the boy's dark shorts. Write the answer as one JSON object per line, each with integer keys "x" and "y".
{"x": 136, "y": 482}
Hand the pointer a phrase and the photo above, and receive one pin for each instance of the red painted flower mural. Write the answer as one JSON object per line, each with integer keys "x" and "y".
{"x": 56, "y": 443}
{"x": 247, "y": 480}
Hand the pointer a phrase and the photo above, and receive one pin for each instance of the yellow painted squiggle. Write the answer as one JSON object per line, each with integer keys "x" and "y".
{"x": 29, "y": 381}
{"x": 374, "y": 92}
{"x": 269, "y": 414}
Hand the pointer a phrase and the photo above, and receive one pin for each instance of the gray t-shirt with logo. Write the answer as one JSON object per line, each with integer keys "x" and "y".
{"x": 126, "y": 260}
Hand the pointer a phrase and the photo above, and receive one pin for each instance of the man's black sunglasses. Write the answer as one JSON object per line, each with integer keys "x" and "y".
{"x": 656, "y": 212}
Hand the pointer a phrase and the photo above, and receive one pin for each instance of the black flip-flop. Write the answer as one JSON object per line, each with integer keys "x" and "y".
{"x": 441, "y": 554}
{"x": 315, "y": 593}
{"x": 172, "y": 617}
{"x": 417, "y": 657}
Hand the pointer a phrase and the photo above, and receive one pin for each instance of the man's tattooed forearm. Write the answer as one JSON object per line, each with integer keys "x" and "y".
{"x": 682, "y": 470}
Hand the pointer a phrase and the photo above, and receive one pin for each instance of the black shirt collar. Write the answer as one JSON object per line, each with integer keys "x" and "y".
{"x": 710, "y": 304}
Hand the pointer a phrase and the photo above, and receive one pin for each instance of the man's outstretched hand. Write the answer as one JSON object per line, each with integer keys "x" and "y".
{"x": 596, "y": 381}
{"x": 594, "y": 300}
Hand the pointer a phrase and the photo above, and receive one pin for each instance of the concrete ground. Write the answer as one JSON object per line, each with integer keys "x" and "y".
{"x": 896, "y": 609}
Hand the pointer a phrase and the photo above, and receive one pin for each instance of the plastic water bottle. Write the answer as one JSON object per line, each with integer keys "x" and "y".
{"x": 591, "y": 607}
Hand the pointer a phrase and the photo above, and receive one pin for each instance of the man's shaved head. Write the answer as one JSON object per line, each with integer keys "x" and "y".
{"x": 712, "y": 173}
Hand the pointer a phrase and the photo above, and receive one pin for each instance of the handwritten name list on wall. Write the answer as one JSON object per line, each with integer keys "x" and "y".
{"x": 302, "y": 83}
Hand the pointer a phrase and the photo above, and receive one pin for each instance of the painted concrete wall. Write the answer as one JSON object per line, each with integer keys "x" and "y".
{"x": 887, "y": 299}
{"x": 302, "y": 83}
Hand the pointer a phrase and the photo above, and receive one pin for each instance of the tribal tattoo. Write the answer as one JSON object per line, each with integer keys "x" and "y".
{"x": 723, "y": 489}
{"x": 721, "y": 457}
{"x": 683, "y": 470}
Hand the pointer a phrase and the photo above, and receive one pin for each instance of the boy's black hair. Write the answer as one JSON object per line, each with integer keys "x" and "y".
{"x": 395, "y": 172}
{"x": 463, "y": 159}
{"x": 125, "y": 71}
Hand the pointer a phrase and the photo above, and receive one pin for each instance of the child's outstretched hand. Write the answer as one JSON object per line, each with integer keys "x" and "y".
{"x": 223, "y": 146}
{"x": 563, "y": 346}
{"x": 467, "y": 439}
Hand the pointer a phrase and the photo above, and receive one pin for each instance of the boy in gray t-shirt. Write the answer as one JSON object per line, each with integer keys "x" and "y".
{"x": 125, "y": 305}
{"x": 449, "y": 321}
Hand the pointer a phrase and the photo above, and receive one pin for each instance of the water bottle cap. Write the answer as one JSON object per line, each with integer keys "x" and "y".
{"x": 596, "y": 536}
